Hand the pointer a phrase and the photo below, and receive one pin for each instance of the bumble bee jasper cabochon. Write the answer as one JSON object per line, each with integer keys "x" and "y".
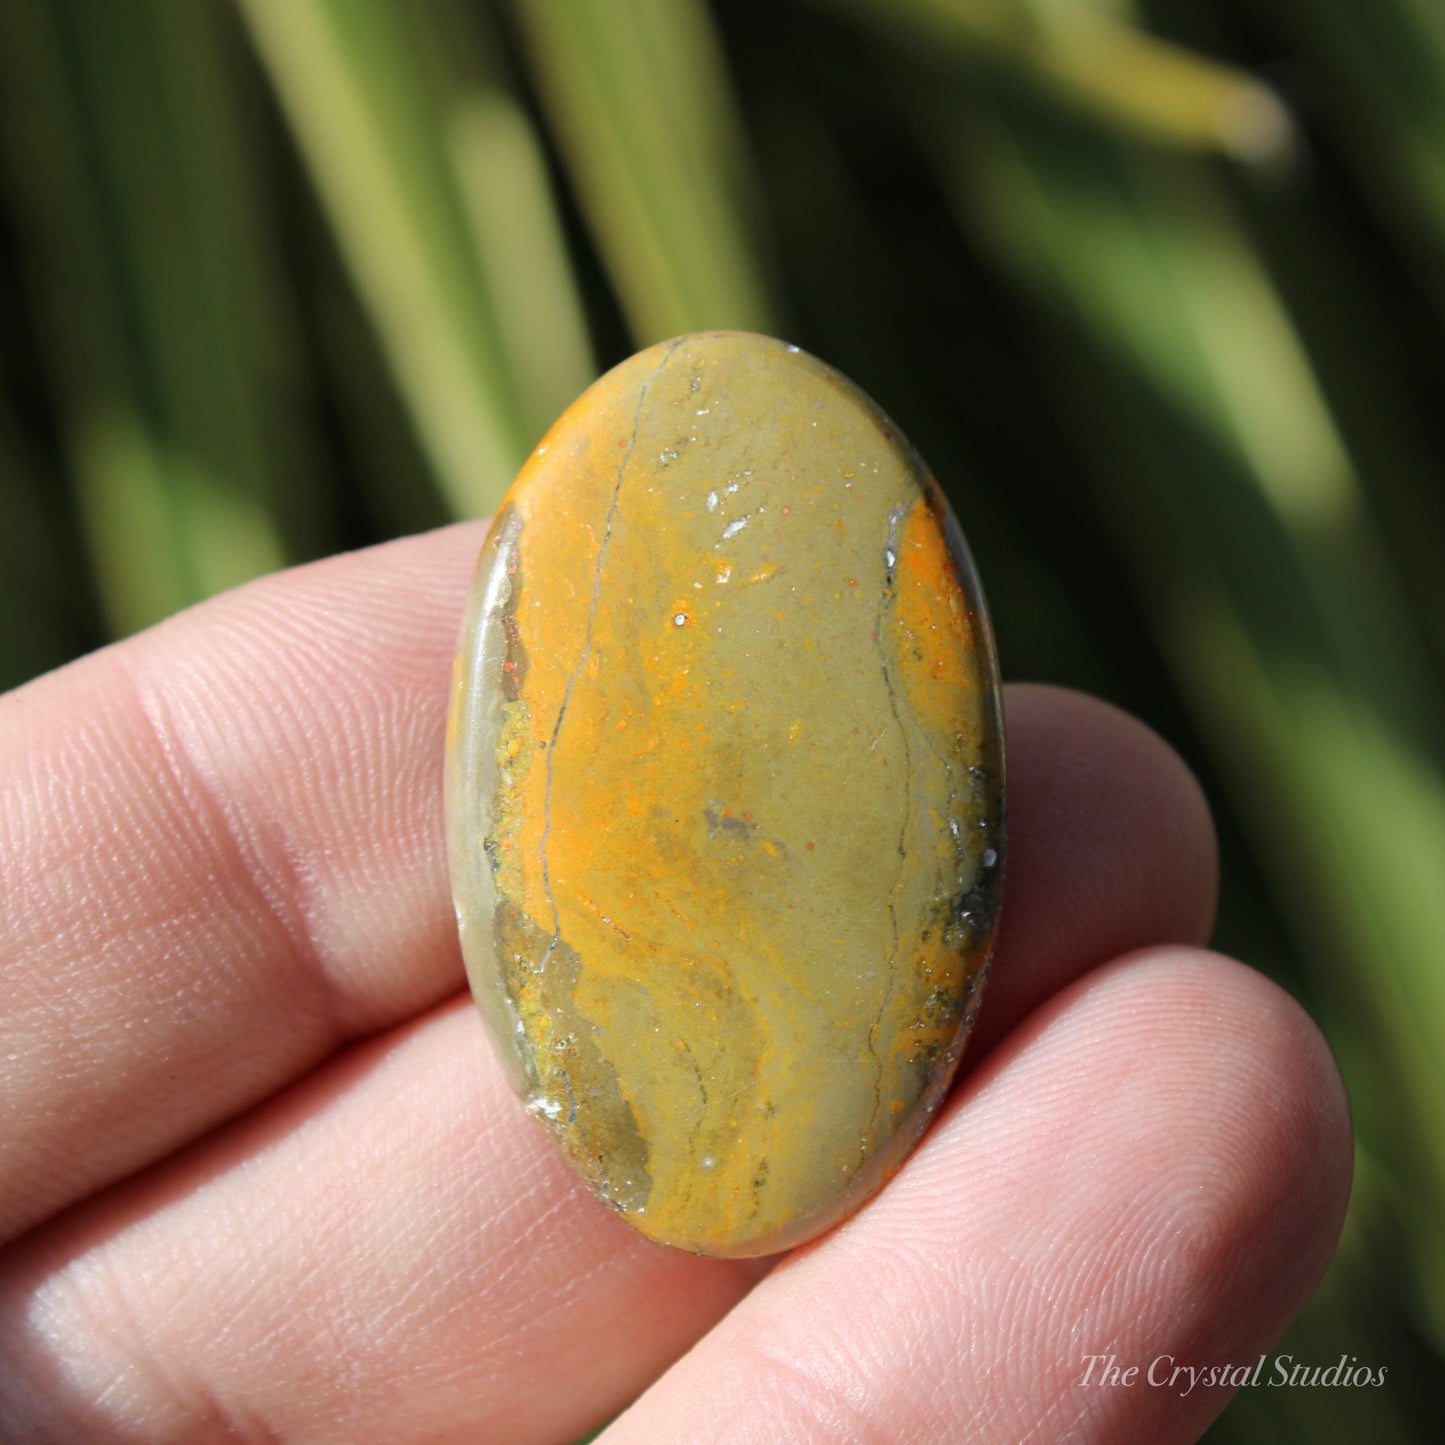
{"x": 725, "y": 792}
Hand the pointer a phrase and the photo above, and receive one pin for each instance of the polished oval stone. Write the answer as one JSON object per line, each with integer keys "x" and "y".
{"x": 725, "y": 792}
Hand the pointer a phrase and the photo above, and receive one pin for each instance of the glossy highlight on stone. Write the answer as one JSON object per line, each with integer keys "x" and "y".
{"x": 725, "y": 792}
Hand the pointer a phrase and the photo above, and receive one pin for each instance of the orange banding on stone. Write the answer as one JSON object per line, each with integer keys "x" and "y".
{"x": 725, "y": 792}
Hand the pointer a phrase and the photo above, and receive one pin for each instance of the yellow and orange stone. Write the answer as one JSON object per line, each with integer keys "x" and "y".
{"x": 725, "y": 792}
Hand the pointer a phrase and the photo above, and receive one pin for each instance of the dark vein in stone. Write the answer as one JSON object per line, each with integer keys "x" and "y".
{"x": 696, "y": 1129}
{"x": 587, "y": 647}
{"x": 890, "y": 558}
{"x": 571, "y": 1096}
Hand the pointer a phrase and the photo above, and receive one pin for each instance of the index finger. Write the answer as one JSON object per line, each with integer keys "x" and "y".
{"x": 224, "y": 858}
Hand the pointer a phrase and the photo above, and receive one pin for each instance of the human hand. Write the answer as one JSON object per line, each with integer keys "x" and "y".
{"x": 260, "y": 1176}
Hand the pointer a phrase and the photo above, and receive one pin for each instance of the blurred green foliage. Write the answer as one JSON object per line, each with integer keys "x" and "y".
{"x": 1157, "y": 287}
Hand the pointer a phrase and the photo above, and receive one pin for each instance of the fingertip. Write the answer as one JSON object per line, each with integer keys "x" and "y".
{"x": 1111, "y": 847}
{"x": 1288, "y": 1139}
{"x": 1085, "y": 774}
